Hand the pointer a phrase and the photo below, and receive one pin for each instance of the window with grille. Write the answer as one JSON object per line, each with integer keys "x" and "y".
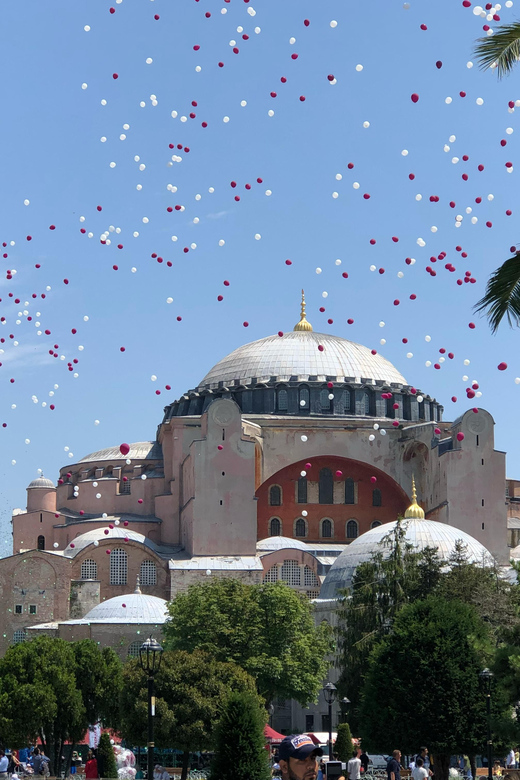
{"x": 133, "y": 649}
{"x": 309, "y": 578}
{"x": 118, "y": 567}
{"x": 275, "y": 527}
{"x": 346, "y": 399}
{"x": 313, "y": 594}
{"x": 41, "y": 543}
{"x": 350, "y": 491}
{"x": 376, "y": 524}
{"x": 302, "y": 490}
{"x": 290, "y": 572}
{"x": 367, "y": 402}
{"x": 89, "y": 569}
{"x": 19, "y": 636}
{"x": 326, "y": 529}
{"x": 275, "y": 495}
{"x": 304, "y": 397}
{"x": 125, "y": 487}
{"x": 282, "y": 400}
{"x": 352, "y": 529}
{"x": 148, "y": 573}
{"x": 326, "y": 487}
{"x": 325, "y": 401}
{"x": 271, "y": 574}
{"x": 376, "y": 497}
{"x": 300, "y": 528}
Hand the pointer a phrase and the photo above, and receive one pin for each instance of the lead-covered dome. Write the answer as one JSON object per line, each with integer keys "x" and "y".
{"x": 419, "y": 533}
{"x": 297, "y": 355}
{"x": 131, "y": 608}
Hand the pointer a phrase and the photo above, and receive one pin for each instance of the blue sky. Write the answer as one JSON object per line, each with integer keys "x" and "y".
{"x": 53, "y": 157}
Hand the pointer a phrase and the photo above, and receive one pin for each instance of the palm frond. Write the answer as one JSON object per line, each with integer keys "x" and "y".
{"x": 502, "y": 297}
{"x": 502, "y": 48}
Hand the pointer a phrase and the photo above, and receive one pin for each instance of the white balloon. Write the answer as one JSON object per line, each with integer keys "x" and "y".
{"x": 371, "y": 437}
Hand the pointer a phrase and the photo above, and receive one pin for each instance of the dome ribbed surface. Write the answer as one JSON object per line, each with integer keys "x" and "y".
{"x": 139, "y": 608}
{"x": 41, "y": 482}
{"x": 296, "y": 354}
{"x": 419, "y": 533}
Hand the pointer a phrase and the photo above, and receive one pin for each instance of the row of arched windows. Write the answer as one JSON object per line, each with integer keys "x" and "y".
{"x": 326, "y": 399}
{"x": 300, "y": 527}
{"x": 325, "y": 491}
{"x": 293, "y": 573}
{"x": 119, "y": 569}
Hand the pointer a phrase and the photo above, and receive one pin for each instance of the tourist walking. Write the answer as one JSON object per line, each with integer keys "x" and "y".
{"x": 354, "y": 767}
{"x": 4, "y": 764}
{"x": 419, "y": 772}
{"x": 393, "y": 767}
{"x": 91, "y": 767}
{"x": 364, "y": 760}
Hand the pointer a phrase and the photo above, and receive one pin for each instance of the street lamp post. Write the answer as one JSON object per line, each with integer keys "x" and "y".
{"x": 486, "y": 677}
{"x": 150, "y": 655}
{"x": 330, "y": 692}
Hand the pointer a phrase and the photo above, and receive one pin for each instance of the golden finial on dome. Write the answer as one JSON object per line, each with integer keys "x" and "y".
{"x": 414, "y": 511}
{"x": 303, "y": 324}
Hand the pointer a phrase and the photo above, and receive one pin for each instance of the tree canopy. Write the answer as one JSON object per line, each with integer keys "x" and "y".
{"x": 268, "y": 630}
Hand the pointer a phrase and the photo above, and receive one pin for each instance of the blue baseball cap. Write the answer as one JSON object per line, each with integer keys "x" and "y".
{"x": 298, "y": 746}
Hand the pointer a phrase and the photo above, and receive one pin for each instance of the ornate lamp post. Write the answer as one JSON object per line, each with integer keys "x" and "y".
{"x": 150, "y": 655}
{"x": 330, "y": 693}
{"x": 486, "y": 677}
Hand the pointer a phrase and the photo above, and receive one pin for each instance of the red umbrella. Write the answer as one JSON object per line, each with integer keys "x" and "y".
{"x": 314, "y": 739}
{"x": 271, "y": 735}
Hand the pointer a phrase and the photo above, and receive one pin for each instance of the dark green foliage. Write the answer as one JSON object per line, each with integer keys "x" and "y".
{"x": 240, "y": 744}
{"x": 106, "y": 759}
{"x": 423, "y": 685}
{"x": 501, "y": 48}
{"x": 502, "y": 296}
{"x": 268, "y": 630}
{"x": 343, "y": 743}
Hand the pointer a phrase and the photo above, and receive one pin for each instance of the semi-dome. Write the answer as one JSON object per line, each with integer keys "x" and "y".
{"x": 139, "y": 450}
{"x": 42, "y": 482}
{"x": 131, "y": 608}
{"x": 273, "y": 543}
{"x": 297, "y": 355}
{"x": 419, "y": 533}
{"x": 98, "y": 535}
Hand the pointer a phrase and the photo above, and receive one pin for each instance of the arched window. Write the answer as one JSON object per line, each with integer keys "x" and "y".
{"x": 300, "y": 527}
{"x": 275, "y": 495}
{"x": 326, "y": 487}
{"x": 271, "y": 574}
{"x": 310, "y": 579}
{"x": 275, "y": 527}
{"x": 325, "y": 401}
{"x": 302, "y": 490}
{"x": 290, "y": 572}
{"x": 20, "y": 635}
{"x": 326, "y": 528}
{"x": 304, "y": 398}
{"x": 350, "y": 491}
{"x": 88, "y": 569}
{"x": 352, "y": 529}
{"x": 41, "y": 543}
{"x": 282, "y": 400}
{"x": 118, "y": 567}
{"x": 367, "y": 399}
{"x": 376, "y": 497}
{"x": 376, "y": 524}
{"x": 148, "y": 573}
{"x": 133, "y": 649}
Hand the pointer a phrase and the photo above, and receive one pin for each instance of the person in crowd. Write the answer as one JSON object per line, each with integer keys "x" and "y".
{"x": 4, "y": 764}
{"x": 91, "y": 767}
{"x": 497, "y": 769}
{"x": 14, "y": 765}
{"x": 419, "y": 772}
{"x": 364, "y": 760}
{"x": 298, "y": 757}
{"x": 160, "y": 773}
{"x": 40, "y": 762}
{"x": 510, "y": 760}
{"x": 393, "y": 767}
{"x": 354, "y": 767}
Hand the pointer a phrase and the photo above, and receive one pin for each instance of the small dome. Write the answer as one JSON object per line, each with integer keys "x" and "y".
{"x": 42, "y": 482}
{"x": 138, "y": 608}
{"x": 297, "y": 354}
{"x": 418, "y": 532}
{"x": 280, "y": 543}
{"x": 98, "y": 534}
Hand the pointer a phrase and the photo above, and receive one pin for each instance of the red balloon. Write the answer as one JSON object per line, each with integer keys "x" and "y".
{"x": 460, "y": 436}
{"x": 124, "y": 448}
{"x": 414, "y": 97}
{"x": 502, "y": 366}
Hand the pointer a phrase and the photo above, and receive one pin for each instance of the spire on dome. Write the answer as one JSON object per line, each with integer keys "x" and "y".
{"x": 414, "y": 511}
{"x": 303, "y": 324}
{"x": 138, "y": 586}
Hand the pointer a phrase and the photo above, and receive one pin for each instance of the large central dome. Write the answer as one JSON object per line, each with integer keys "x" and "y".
{"x": 297, "y": 355}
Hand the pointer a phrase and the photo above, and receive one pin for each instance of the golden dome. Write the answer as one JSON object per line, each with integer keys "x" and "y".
{"x": 414, "y": 511}
{"x": 303, "y": 324}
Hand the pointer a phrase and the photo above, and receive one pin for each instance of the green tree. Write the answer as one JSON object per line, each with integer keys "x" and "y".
{"x": 343, "y": 743}
{"x": 106, "y": 759}
{"x": 423, "y": 686}
{"x": 500, "y": 50}
{"x": 268, "y": 630}
{"x": 502, "y": 296}
{"x": 53, "y": 689}
{"x": 394, "y": 577}
{"x": 190, "y": 690}
{"x": 240, "y": 743}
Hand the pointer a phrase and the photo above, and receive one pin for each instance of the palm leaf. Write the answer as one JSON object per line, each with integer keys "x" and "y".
{"x": 502, "y": 48}
{"x": 502, "y": 297}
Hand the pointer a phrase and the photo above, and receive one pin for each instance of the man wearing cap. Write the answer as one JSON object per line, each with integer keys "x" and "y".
{"x": 298, "y": 757}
